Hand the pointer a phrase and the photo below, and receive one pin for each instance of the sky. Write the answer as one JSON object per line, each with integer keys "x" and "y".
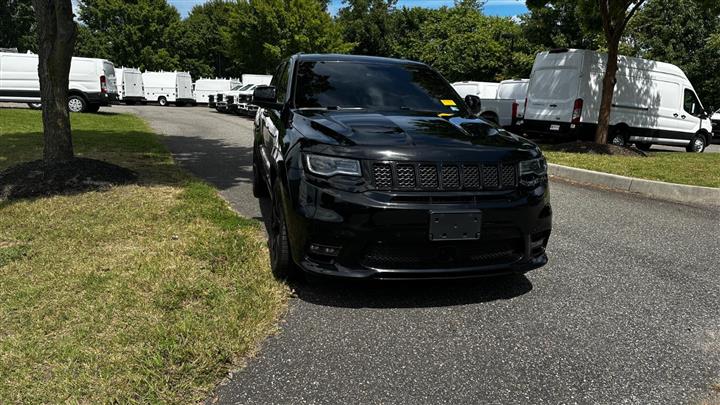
{"x": 503, "y": 8}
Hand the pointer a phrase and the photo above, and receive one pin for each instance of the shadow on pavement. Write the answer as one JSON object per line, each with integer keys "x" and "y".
{"x": 213, "y": 160}
{"x": 410, "y": 294}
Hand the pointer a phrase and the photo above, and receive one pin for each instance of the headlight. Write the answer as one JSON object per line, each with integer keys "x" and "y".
{"x": 532, "y": 172}
{"x": 330, "y": 166}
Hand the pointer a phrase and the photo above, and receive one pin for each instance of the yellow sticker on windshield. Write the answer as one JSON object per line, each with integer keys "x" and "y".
{"x": 447, "y": 102}
{"x": 441, "y": 115}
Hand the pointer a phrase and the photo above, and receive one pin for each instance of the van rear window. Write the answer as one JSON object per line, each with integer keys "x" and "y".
{"x": 558, "y": 84}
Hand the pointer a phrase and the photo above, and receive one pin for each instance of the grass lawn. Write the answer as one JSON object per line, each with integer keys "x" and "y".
{"x": 698, "y": 169}
{"x": 141, "y": 293}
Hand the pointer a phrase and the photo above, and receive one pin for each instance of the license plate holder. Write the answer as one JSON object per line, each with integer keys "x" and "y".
{"x": 455, "y": 225}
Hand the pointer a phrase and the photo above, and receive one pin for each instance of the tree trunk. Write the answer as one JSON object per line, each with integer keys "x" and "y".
{"x": 56, "y": 41}
{"x": 601, "y": 133}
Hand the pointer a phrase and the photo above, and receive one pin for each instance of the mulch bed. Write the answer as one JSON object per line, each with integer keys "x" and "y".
{"x": 596, "y": 149}
{"x": 38, "y": 179}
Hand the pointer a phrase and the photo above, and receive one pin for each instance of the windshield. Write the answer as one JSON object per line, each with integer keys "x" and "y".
{"x": 237, "y": 87}
{"x": 377, "y": 86}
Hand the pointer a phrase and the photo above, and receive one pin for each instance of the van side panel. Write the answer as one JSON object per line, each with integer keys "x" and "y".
{"x": 19, "y": 77}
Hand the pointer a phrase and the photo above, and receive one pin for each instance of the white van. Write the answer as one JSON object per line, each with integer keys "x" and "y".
{"x": 653, "y": 103}
{"x": 486, "y": 90}
{"x": 209, "y": 87}
{"x": 92, "y": 81}
{"x": 130, "y": 85}
{"x": 168, "y": 87}
{"x": 503, "y": 112}
{"x": 514, "y": 89}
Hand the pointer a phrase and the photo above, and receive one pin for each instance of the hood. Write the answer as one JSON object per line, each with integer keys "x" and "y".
{"x": 413, "y": 135}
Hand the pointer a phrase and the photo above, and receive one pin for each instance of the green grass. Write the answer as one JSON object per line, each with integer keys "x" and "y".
{"x": 698, "y": 169}
{"x": 141, "y": 293}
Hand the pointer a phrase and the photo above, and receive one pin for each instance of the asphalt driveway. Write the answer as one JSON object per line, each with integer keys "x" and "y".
{"x": 627, "y": 310}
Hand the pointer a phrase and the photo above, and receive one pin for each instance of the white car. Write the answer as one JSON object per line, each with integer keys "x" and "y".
{"x": 168, "y": 88}
{"x": 653, "y": 102}
{"x": 91, "y": 81}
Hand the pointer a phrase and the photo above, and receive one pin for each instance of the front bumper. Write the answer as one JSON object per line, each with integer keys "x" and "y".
{"x": 375, "y": 237}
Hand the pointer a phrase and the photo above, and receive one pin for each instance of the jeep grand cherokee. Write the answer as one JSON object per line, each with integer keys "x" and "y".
{"x": 376, "y": 168}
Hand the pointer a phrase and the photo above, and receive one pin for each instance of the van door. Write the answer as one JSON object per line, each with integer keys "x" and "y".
{"x": 551, "y": 95}
{"x": 109, "y": 71}
{"x": 688, "y": 119}
{"x": 184, "y": 87}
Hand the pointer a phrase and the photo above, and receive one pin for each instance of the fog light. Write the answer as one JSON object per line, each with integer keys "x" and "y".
{"x": 324, "y": 250}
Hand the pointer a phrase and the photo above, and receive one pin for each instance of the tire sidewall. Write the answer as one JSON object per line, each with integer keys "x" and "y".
{"x": 76, "y": 104}
{"x": 692, "y": 148}
{"x": 162, "y": 101}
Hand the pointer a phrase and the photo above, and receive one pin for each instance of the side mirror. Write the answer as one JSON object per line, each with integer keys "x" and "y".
{"x": 266, "y": 97}
{"x": 473, "y": 103}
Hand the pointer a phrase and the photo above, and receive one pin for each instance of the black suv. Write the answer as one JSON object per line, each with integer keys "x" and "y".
{"x": 376, "y": 168}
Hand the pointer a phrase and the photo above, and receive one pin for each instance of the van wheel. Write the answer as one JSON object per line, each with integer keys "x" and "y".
{"x": 618, "y": 138}
{"x": 76, "y": 104}
{"x": 280, "y": 259}
{"x": 35, "y": 106}
{"x": 697, "y": 144}
{"x": 643, "y": 146}
{"x": 162, "y": 101}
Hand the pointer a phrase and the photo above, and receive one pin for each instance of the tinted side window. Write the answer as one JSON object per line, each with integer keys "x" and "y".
{"x": 691, "y": 103}
{"x": 282, "y": 82}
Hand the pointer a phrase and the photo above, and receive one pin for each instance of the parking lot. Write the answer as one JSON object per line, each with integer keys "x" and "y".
{"x": 625, "y": 312}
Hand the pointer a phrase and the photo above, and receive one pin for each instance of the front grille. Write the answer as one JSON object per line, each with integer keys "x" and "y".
{"x": 244, "y": 98}
{"x": 443, "y": 255}
{"x": 230, "y": 99}
{"x": 383, "y": 176}
{"x": 211, "y": 98}
{"x": 219, "y": 97}
{"x": 406, "y": 176}
{"x": 443, "y": 176}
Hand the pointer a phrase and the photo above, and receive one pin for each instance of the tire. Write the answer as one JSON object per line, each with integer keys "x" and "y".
{"x": 258, "y": 183}
{"x": 281, "y": 262}
{"x": 162, "y": 101}
{"x": 77, "y": 104}
{"x": 618, "y": 137}
{"x": 697, "y": 144}
{"x": 35, "y": 106}
{"x": 93, "y": 108}
{"x": 643, "y": 146}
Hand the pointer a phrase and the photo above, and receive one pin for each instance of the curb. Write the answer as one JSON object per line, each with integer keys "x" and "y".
{"x": 681, "y": 193}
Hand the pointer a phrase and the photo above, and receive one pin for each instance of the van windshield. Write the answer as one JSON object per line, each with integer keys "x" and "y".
{"x": 377, "y": 86}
